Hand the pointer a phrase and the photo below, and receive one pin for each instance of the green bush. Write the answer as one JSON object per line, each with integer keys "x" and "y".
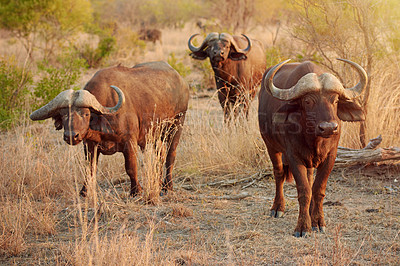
{"x": 56, "y": 79}
{"x": 95, "y": 56}
{"x": 273, "y": 56}
{"x": 128, "y": 44}
{"x": 14, "y": 84}
{"x": 204, "y": 66}
{"x": 178, "y": 65}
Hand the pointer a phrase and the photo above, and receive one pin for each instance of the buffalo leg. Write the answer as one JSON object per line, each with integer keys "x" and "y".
{"x": 246, "y": 98}
{"x": 304, "y": 198}
{"x": 170, "y": 160}
{"x": 92, "y": 154}
{"x": 310, "y": 178}
{"x": 131, "y": 168}
{"x": 225, "y": 102}
{"x": 280, "y": 175}
{"x": 318, "y": 193}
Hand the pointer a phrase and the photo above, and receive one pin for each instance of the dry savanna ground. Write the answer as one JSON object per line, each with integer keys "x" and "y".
{"x": 217, "y": 215}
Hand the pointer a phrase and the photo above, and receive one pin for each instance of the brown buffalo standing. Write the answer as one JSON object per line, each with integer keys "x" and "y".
{"x": 145, "y": 94}
{"x": 238, "y": 65}
{"x": 150, "y": 35}
{"x": 300, "y": 113}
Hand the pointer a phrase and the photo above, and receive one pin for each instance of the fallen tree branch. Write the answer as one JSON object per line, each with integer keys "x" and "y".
{"x": 369, "y": 154}
{"x": 231, "y": 182}
{"x": 239, "y": 196}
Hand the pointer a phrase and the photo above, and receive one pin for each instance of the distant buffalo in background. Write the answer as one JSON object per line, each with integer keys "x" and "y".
{"x": 238, "y": 63}
{"x": 150, "y": 35}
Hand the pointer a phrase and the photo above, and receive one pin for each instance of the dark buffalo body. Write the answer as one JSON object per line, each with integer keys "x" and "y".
{"x": 238, "y": 63}
{"x": 151, "y": 93}
{"x": 150, "y": 35}
{"x": 300, "y": 113}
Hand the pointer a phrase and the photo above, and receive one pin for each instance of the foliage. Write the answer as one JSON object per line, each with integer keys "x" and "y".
{"x": 44, "y": 23}
{"x": 167, "y": 12}
{"x": 145, "y": 13}
{"x": 95, "y": 56}
{"x": 178, "y": 65}
{"x": 238, "y": 16}
{"x": 273, "y": 55}
{"x": 56, "y": 79}
{"x": 348, "y": 29}
{"x": 14, "y": 84}
{"x": 128, "y": 43}
{"x": 204, "y": 67}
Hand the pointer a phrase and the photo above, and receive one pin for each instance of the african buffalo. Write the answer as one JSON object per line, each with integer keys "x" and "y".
{"x": 147, "y": 93}
{"x": 151, "y": 35}
{"x": 238, "y": 65}
{"x": 300, "y": 112}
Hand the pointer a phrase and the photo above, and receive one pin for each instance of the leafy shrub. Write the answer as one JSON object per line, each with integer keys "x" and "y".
{"x": 56, "y": 79}
{"x": 178, "y": 65}
{"x": 128, "y": 43}
{"x": 273, "y": 55}
{"x": 14, "y": 84}
{"x": 95, "y": 56}
{"x": 204, "y": 66}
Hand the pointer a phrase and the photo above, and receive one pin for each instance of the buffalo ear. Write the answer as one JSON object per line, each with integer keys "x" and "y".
{"x": 200, "y": 55}
{"x": 350, "y": 111}
{"x": 99, "y": 123}
{"x": 282, "y": 115}
{"x": 235, "y": 56}
{"x": 58, "y": 122}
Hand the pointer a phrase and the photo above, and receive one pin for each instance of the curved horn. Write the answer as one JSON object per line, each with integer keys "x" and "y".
{"x": 287, "y": 94}
{"x": 191, "y": 46}
{"x": 355, "y": 91}
{"x": 204, "y": 43}
{"x": 244, "y": 51}
{"x": 88, "y": 100}
{"x": 81, "y": 98}
{"x": 62, "y": 100}
{"x": 194, "y": 49}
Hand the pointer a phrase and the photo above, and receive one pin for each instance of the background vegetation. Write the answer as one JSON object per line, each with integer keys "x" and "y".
{"x": 47, "y": 46}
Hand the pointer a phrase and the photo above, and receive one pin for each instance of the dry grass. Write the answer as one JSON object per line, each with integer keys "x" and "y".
{"x": 383, "y": 109}
{"x": 44, "y": 221}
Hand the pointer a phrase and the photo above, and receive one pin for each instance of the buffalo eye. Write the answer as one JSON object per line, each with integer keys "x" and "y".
{"x": 308, "y": 102}
{"x": 334, "y": 99}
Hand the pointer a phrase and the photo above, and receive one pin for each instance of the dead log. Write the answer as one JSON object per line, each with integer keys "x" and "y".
{"x": 239, "y": 196}
{"x": 369, "y": 154}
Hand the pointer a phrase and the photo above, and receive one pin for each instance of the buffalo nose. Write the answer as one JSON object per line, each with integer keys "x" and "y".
{"x": 71, "y": 136}
{"x": 327, "y": 128}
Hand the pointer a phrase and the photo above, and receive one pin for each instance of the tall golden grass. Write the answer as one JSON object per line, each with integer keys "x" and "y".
{"x": 383, "y": 109}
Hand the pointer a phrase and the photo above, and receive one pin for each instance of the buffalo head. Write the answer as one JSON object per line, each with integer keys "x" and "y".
{"x": 218, "y": 47}
{"x": 317, "y": 103}
{"x": 74, "y": 110}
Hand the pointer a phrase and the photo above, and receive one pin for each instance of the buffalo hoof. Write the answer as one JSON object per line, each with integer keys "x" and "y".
{"x": 321, "y": 229}
{"x": 301, "y": 234}
{"x": 133, "y": 194}
{"x": 83, "y": 193}
{"x": 276, "y": 214}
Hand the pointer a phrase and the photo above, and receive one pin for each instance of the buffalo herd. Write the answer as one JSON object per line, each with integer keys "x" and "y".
{"x": 300, "y": 112}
